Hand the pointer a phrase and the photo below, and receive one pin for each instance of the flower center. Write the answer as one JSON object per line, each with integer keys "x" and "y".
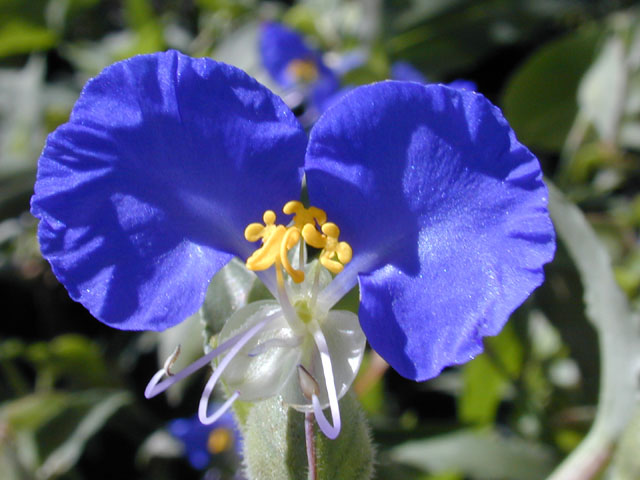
{"x": 302, "y": 70}
{"x": 304, "y": 311}
{"x": 311, "y": 225}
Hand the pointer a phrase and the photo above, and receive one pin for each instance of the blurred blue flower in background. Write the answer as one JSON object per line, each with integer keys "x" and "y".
{"x": 404, "y": 71}
{"x": 146, "y": 192}
{"x": 201, "y": 442}
{"x": 297, "y": 67}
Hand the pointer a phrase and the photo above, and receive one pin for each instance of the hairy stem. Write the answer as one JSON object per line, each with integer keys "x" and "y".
{"x": 311, "y": 447}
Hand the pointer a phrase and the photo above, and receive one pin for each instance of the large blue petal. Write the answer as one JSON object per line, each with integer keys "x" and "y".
{"x": 144, "y": 194}
{"x": 445, "y": 211}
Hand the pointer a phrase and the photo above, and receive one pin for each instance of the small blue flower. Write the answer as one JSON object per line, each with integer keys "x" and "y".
{"x": 406, "y": 72}
{"x": 441, "y": 216}
{"x": 201, "y": 441}
{"x": 293, "y": 64}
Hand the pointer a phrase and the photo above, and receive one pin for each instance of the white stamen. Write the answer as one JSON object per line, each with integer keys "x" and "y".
{"x": 331, "y": 432}
{"x": 287, "y": 309}
{"x": 215, "y": 416}
{"x": 155, "y": 387}
{"x": 315, "y": 287}
{"x": 239, "y": 342}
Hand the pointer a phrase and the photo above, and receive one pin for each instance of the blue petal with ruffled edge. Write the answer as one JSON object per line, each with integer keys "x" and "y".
{"x": 445, "y": 211}
{"x": 144, "y": 194}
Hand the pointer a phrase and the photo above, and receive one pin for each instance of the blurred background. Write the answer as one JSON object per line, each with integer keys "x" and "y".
{"x": 566, "y": 74}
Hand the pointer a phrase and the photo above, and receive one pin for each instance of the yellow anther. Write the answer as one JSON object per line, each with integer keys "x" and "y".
{"x": 304, "y": 216}
{"x": 220, "y": 440}
{"x": 256, "y": 231}
{"x": 269, "y": 252}
{"x": 302, "y": 70}
{"x": 334, "y": 254}
{"x": 277, "y": 240}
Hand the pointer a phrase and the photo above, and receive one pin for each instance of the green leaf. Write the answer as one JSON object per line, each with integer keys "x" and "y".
{"x": 626, "y": 462}
{"x": 608, "y": 310}
{"x": 602, "y": 90}
{"x": 230, "y": 289}
{"x": 479, "y": 454}
{"x": 19, "y": 36}
{"x": 32, "y": 411}
{"x": 487, "y": 377}
{"x": 275, "y": 448}
{"x": 540, "y": 99}
{"x": 68, "y": 453}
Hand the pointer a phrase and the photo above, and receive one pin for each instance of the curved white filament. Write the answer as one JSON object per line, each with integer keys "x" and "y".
{"x": 239, "y": 342}
{"x": 208, "y": 420}
{"x": 330, "y": 431}
{"x": 155, "y": 386}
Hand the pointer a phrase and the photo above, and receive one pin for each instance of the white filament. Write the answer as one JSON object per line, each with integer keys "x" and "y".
{"x": 239, "y": 342}
{"x": 330, "y": 431}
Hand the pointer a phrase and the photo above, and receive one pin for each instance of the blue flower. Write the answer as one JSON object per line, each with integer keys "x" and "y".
{"x": 201, "y": 441}
{"x": 293, "y": 64}
{"x": 406, "y": 72}
{"x": 440, "y": 212}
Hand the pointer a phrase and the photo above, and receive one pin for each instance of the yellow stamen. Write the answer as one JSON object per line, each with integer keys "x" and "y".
{"x": 302, "y": 70}
{"x": 334, "y": 254}
{"x": 304, "y": 216}
{"x": 220, "y": 440}
{"x": 277, "y": 240}
{"x": 291, "y": 237}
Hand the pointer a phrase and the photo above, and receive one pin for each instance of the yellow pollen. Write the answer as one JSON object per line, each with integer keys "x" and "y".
{"x": 220, "y": 440}
{"x": 278, "y": 240}
{"x": 302, "y": 70}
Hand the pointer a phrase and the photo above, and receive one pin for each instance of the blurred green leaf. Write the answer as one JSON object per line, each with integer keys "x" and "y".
{"x": 602, "y": 91}
{"x": 626, "y": 461}
{"x": 18, "y": 36}
{"x": 479, "y": 454}
{"x": 487, "y": 377}
{"x": 540, "y": 99}
{"x": 67, "y": 454}
{"x": 32, "y": 411}
{"x": 608, "y": 310}
{"x": 230, "y": 289}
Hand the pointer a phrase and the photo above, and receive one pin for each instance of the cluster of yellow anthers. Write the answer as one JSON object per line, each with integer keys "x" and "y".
{"x": 303, "y": 70}
{"x": 310, "y": 224}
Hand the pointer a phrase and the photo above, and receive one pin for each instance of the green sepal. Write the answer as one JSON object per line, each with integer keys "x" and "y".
{"x": 275, "y": 448}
